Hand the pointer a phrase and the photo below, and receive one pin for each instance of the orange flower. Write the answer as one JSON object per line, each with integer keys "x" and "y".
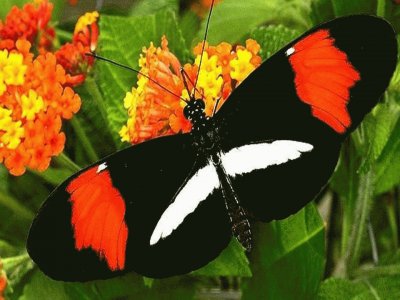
{"x": 35, "y": 90}
{"x": 3, "y": 281}
{"x": 29, "y": 22}
{"x": 73, "y": 2}
{"x": 33, "y": 101}
{"x": 200, "y": 7}
{"x": 72, "y": 55}
{"x": 154, "y": 112}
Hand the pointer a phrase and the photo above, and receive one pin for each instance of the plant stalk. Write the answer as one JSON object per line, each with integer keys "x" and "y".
{"x": 93, "y": 89}
{"x": 83, "y": 138}
{"x": 380, "y": 9}
{"x": 65, "y": 161}
{"x": 15, "y": 206}
{"x": 361, "y": 215}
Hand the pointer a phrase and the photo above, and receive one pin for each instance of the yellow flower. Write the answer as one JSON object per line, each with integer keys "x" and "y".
{"x": 211, "y": 84}
{"x": 3, "y": 58}
{"x": 3, "y": 86}
{"x": 31, "y": 105}
{"x": 5, "y": 118}
{"x": 124, "y": 134}
{"x": 241, "y": 66}
{"x": 210, "y": 80}
{"x": 141, "y": 84}
{"x": 14, "y": 70}
{"x": 12, "y": 137}
{"x": 87, "y": 19}
{"x": 129, "y": 99}
{"x": 208, "y": 64}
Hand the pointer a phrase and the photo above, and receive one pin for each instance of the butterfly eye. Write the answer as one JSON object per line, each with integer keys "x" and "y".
{"x": 200, "y": 104}
{"x": 187, "y": 110}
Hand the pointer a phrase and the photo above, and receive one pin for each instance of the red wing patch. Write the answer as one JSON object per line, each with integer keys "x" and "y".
{"x": 323, "y": 78}
{"x": 98, "y": 212}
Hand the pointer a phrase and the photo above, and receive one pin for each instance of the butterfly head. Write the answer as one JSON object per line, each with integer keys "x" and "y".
{"x": 194, "y": 110}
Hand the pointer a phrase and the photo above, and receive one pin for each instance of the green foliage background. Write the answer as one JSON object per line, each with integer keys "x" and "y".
{"x": 305, "y": 256}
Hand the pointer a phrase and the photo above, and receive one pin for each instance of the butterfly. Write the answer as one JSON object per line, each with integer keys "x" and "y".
{"x": 264, "y": 155}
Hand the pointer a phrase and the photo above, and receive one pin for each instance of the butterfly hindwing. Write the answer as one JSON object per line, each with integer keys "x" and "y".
{"x": 316, "y": 90}
{"x": 99, "y": 223}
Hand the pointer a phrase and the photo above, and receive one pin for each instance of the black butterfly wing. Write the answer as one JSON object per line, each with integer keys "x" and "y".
{"x": 315, "y": 90}
{"x": 98, "y": 223}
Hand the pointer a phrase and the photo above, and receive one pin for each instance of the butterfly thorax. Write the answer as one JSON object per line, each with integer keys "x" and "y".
{"x": 206, "y": 142}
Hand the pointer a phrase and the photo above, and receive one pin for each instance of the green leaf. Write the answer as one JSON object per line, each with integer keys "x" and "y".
{"x": 325, "y": 10}
{"x": 232, "y": 19}
{"x": 93, "y": 117}
{"x": 128, "y": 286}
{"x": 125, "y": 46}
{"x": 377, "y": 127}
{"x": 231, "y": 262}
{"x": 345, "y": 183}
{"x": 132, "y": 286}
{"x": 377, "y": 288}
{"x": 145, "y": 7}
{"x": 189, "y": 24}
{"x": 17, "y": 268}
{"x": 6, "y": 6}
{"x": 42, "y": 287}
{"x": 345, "y": 7}
{"x": 288, "y": 258}
{"x": 54, "y": 176}
{"x": 272, "y": 38}
{"x": 322, "y": 11}
{"x": 388, "y": 165}
{"x": 7, "y": 249}
{"x": 336, "y": 288}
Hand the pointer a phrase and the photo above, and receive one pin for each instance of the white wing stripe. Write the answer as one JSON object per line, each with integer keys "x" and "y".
{"x": 195, "y": 191}
{"x": 248, "y": 158}
{"x": 239, "y": 160}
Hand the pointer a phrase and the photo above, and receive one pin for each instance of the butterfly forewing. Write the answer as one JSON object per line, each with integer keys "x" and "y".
{"x": 316, "y": 90}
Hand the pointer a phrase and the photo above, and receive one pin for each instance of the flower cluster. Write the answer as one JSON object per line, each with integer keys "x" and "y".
{"x": 31, "y": 23}
{"x": 72, "y": 55}
{"x": 3, "y": 281}
{"x": 35, "y": 85}
{"x": 154, "y": 112}
{"x": 34, "y": 99}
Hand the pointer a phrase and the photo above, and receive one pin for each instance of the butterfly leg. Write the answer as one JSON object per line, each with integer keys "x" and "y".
{"x": 241, "y": 228}
{"x": 216, "y": 106}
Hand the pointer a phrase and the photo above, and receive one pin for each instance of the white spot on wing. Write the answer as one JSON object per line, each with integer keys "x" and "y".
{"x": 196, "y": 190}
{"x": 101, "y": 167}
{"x": 289, "y": 51}
{"x": 248, "y": 158}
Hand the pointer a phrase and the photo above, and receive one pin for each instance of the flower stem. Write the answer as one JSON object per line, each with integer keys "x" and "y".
{"x": 359, "y": 229}
{"x": 65, "y": 161}
{"x": 380, "y": 9}
{"x": 64, "y": 35}
{"x": 93, "y": 89}
{"x": 391, "y": 214}
{"x": 87, "y": 145}
{"x": 15, "y": 206}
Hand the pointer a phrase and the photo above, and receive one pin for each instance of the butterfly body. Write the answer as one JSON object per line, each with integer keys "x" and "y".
{"x": 170, "y": 205}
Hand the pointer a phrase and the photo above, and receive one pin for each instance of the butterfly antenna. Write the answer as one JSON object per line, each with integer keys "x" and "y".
{"x": 204, "y": 44}
{"x": 186, "y": 78}
{"x": 133, "y": 70}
